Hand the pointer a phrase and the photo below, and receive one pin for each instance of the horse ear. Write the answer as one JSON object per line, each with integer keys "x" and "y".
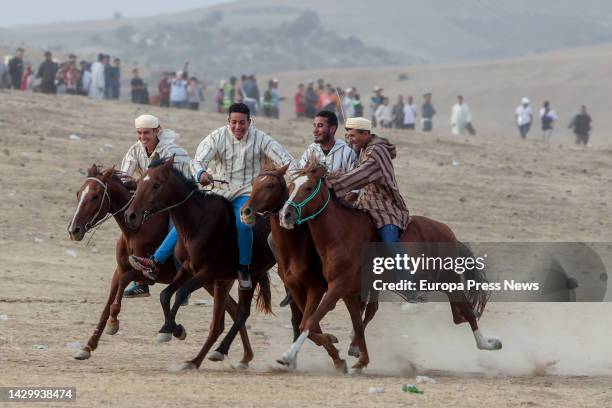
{"x": 93, "y": 171}
{"x": 169, "y": 162}
{"x": 107, "y": 174}
{"x": 155, "y": 157}
{"x": 283, "y": 170}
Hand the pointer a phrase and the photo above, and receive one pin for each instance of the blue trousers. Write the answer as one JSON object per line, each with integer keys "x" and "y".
{"x": 245, "y": 238}
{"x": 389, "y": 233}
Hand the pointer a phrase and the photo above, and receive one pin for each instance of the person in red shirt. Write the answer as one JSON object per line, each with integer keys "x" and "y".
{"x": 300, "y": 106}
{"x": 163, "y": 88}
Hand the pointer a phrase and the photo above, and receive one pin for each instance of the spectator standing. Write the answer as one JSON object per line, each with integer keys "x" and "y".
{"x": 410, "y": 114}
{"x": 581, "y": 123}
{"x": 97, "y": 85}
{"x": 384, "y": 114}
{"x": 548, "y": 118}
{"x": 47, "y": 73}
{"x": 358, "y": 105}
{"x": 115, "y": 79}
{"x": 27, "y": 78}
{"x": 139, "y": 90}
{"x": 298, "y": 101}
{"x": 348, "y": 103}
{"x": 397, "y": 113}
{"x": 461, "y": 117}
{"x": 218, "y": 97}
{"x": 427, "y": 113}
{"x": 375, "y": 101}
{"x": 524, "y": 116}
{"x": 84, "y": 82}
{"x": 195, "y": 93}
{"x": 163, "y": 90}
{"x": 310, "y": 100}
{"x": 178, "y": 91}
{"x": 15, "y": 68}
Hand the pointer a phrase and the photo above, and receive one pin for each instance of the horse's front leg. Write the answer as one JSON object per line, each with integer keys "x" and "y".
{"x": 115, "y": 307}
{"x": 166, "y": 295}
{"x": 92, "y": 343}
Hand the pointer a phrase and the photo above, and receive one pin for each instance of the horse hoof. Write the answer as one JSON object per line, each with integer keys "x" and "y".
{"x": 216, "y": 356}
{"x": 188, "y": 366}
{"x": 240, "y": 366}
{"x": 493, "y": 344}
{"x": 333, "y": 339}
{"x": 82, "y": 354}
{"x": 341, "y": 367}
{"x": 164, "y": 337}
{"x": 112, "y": 327}
{"x": 182, "y": 333}
{"x": 353, "y": 351}
{"x": 287, "y": 362}
{"x": 356, "y": 370}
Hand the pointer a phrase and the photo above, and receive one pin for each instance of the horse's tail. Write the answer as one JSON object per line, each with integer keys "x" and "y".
{"x": 264, "y": 295}
{"x": 477, "y": 298}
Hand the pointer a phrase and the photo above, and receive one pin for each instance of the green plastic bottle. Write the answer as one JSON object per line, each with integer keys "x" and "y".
{"x": 411, "y": 388}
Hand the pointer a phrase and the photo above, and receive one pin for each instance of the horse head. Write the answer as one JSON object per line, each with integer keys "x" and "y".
{"x": 93, "y": 202}
{"x": 152, "y": 193}
{"x": 308, "y": 195}
{"x": 269, "y": 193}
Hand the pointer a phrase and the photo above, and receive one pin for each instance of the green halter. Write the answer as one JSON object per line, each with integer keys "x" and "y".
{"x": 299, "y": 206}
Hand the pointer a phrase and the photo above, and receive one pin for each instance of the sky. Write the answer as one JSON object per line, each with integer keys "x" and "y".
{"x": 44, "y": 11}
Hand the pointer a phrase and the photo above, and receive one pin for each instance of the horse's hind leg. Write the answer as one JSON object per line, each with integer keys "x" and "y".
{"x": 221, "y": 293}
{"x": 353, "y": 304}
{"x": 463, "y": 311}
{"x": 92, "y": 343}
{"x": 245, "y": 297}
{"x": 370, "y": 311}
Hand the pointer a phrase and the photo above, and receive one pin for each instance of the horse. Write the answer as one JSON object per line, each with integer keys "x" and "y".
{"x": 338, "y": 233}
{"x": 107, "y": 194}
{"x": 206, "y": 226}
{"x": 299, "y": 264}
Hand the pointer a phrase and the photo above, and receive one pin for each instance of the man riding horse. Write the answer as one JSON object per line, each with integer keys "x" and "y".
{"x": 238, "y": 150}
{"x": 152, "y": 140}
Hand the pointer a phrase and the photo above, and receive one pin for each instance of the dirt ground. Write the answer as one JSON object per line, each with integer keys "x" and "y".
{"x": 498, "y": 189}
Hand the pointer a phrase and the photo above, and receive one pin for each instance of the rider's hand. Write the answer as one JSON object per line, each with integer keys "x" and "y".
{"x": 205, "y": 179}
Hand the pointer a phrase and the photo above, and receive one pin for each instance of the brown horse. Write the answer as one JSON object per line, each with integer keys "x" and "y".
{"x": 299, "y": 264}
{"x": 338, "y": 234}
{"x": 206, "y": 226}
{"x": 106, "y": 194}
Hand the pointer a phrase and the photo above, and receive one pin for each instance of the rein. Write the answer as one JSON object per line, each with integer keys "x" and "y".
{"x": 300, "y": 206}
{"x": 148, "y": 214}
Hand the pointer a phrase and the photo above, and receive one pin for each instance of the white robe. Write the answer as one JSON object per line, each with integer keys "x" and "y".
{"x": 460, "y": 117}
{"x": 96, "y": 88}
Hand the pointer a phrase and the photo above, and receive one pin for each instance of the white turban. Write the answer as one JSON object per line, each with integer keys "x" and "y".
{"x": 525, "y": 100}
{"x": 146, "y": 122}
{"x": 358, "y": 124}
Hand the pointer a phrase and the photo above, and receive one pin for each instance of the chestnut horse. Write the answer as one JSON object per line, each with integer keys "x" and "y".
{"x": 206, "y": 227}
{"x": 338, "y": 234}
{"x": 107, "y": 194}
{"x": 299, "y": 265}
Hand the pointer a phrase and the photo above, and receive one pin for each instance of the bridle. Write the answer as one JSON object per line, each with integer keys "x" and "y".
{"x": 299, "y": 206}
{"x": 92, "y": 223}
{"x": 281, "y": 179}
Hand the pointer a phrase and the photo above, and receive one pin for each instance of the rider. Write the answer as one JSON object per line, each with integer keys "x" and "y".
{"x": 151, "y": 139}
{"x": 238, "y": 150}
{"x": 374, "y": 175}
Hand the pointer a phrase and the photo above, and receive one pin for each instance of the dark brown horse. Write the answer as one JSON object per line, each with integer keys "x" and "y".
{"x": 299, "y": 265}
{"x": 206, "y": 227}
{"x": 338, "y": 234}
{"x": 106, "y": 194}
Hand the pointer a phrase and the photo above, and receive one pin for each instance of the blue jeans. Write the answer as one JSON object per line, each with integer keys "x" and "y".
{"x": 389, "y": 233}
{"x": 524, "y": 129}
{"x": 245, "y": 238}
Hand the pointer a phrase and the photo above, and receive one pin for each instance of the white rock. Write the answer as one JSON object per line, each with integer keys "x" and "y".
{"x": 71, "y": 252}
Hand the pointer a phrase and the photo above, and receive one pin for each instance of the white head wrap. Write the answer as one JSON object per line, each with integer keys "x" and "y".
{"x": 358, "y": 124}
{"x": 525, "y": 100}
{"x": 146, "y": 122}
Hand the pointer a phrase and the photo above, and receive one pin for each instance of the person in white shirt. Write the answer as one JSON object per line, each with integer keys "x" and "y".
{"x": 410, "y": 114}
{"x": 384, "y": 114}
{"x": 238, "y": 150}
{"x": 178, "y": 91}
{"x": 348, "y": 103}
{"x": 524, "y": 116}
{"x": 98, "y": 82}
{"x": 460, "y": 117}
{"x": 548, "y": 118}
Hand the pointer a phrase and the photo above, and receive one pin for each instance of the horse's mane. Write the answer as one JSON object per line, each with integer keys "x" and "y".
{"x": 127, "y": 181}
{"x": 311, "y": 165}
{"x": 188, "y": 182}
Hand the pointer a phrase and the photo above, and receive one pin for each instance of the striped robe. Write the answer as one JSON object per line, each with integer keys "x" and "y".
{"x": 136, "y": 160}
{"x": 237, "y": 161}
{"x": 340, "y": 158}
{"x": 374, "y": 175}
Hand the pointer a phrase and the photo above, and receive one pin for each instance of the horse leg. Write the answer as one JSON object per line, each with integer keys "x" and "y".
{"x": 124, "y": 280}
{"x": 466, "y": 311}
{"x": 166, "y": 295}
{"x": 310, "y": 323}
{"x": 245, "y": 297}
{"x": 370, "y": 310}
{"x": 170, "y": 327}
{"x": 221, "y": 293}
{"x": 247, "y": 351}
{"x": 92, "y": 343}
{"x": 353, "y": 304}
